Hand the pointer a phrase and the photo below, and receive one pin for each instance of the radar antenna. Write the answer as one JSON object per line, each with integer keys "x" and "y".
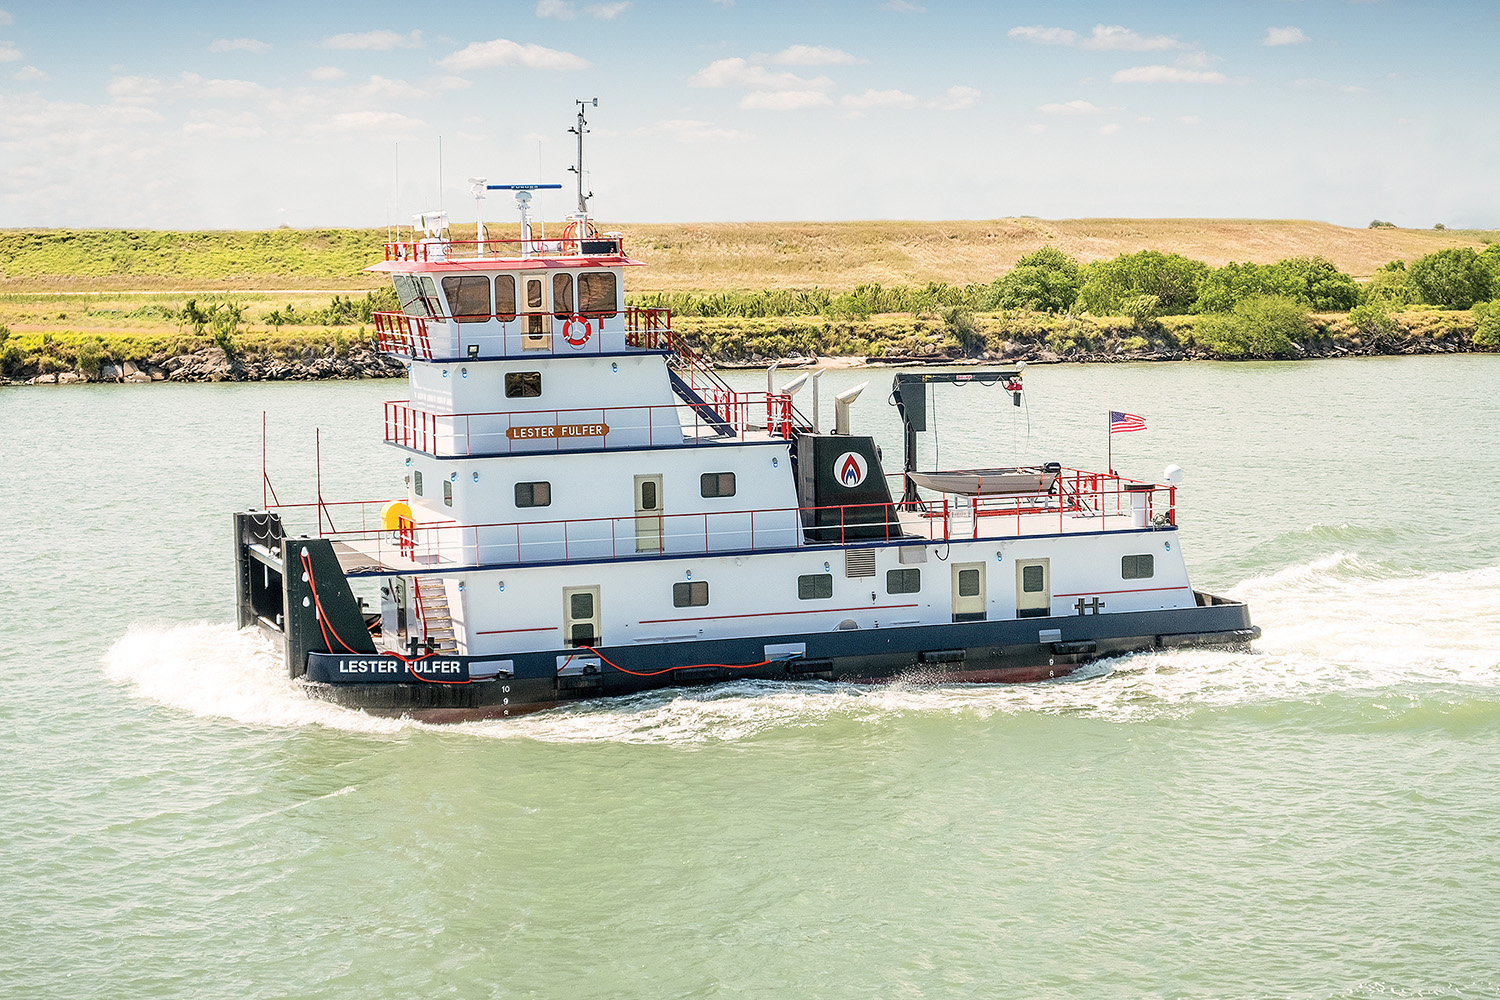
{"x": 579, "y": 130}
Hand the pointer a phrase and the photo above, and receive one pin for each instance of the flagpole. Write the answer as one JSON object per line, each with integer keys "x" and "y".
{"x": 1109, "y": 436}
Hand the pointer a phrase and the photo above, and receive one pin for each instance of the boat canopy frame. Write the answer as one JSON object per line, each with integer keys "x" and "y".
{"x": 909, "y": 394}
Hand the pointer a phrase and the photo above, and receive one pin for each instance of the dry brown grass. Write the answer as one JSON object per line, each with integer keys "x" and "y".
{"x": 749, "y": 256}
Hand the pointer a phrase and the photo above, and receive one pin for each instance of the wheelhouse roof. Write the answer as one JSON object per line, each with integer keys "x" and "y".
{"x": 490, "y": 264}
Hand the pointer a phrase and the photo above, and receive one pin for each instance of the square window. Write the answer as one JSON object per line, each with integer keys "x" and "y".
{"x": 468, "y": 297}
{"x": 1141, "y": 567}
{"x": 523, "y": 385}
{"x": 533, "y": 494}
{"x": 582, "y": 634}
{"x": 581, "y": 606}
{"x": 596, "y": 293}
{"x": 1033, "y": 579}
{"x": 907, "y": 581}
{"x": 690, "y": 594}
{"x": 717, "y": 484}
{"x": 814, "y": 586}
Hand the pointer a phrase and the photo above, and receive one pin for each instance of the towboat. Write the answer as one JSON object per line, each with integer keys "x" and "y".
{"x": 584, "y": 508}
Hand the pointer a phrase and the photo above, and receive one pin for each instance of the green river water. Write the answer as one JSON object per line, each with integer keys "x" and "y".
{"x": 1319, "y": 817}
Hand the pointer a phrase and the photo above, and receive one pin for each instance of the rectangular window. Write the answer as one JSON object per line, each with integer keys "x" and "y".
{"x": 814, "y": 586}
{"x": 416, "y": 481}
{"x": 903, "y": 581}
{"x": 533, "y": 494}
{"x": 562, "y": 294}
{"x": 968, "y": 581}
{"x": 468, "y": 297}
{"x": 1138, "y": 567}
{"x": 523, "y": 385}
{"x": 596, "y": 293}
{"x": 534, "y": 294}
{"x": 717, "y": 484}
{"x": 1033, "y": 581}
{"x": 505, "y": 297}
{"x": 410, "y": 295}
{"x": 448, "y": 492}
{"x": 692, "y": 594}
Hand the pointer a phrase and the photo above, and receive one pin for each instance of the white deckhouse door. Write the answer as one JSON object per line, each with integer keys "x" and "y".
{"x": 648, "y": 513}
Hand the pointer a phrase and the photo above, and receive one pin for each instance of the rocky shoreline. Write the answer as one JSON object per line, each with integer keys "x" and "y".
{"x": 213, "y": 364}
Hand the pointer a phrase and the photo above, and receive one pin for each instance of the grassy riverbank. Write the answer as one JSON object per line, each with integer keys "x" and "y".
{"x": 704, "y": 257}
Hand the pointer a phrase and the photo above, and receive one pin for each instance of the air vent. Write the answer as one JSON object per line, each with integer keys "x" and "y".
{"x": 859, "y": 562}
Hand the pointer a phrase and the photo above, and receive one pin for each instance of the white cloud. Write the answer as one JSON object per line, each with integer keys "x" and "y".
{"x": 9, "y": 52}
{"x": 29, "y": 74}
{"x": 326, "y": 74}
{"x": 142, "y": 90}
{"x": 504, "y": 52}
{"x": 736, "y": 72}
{"x": 812, "y": 55}
{"x": 689, "y": 130}
{"x": 1118, "y": 38}
{"x": 5, "y": 18}
{"x": 956, "y": 99}
{"x": 1191, "y": 120}
{"x": 1104, "y": 38}
{"x": 1071, "y": 108}
{"x": 566, "y": 10}
{"x": 385, "y": 89}
{"x": 375, "y": 121}
{"x": 242, "y": 125}
{"x": 373, "y": 41}
{"x": 238, "y": 45}
{"x": 1284, "y": 36}
{"x": 1039, "y": 35}
{"x": 453, "y": 83}
{"x": 1035, "y": 129}
{"x": 903, "y": 7}
{"x": 879, "y": 99}
{"x": 784, "y": 100}
{"x": 1109, "y": 129}
{"x": 1167, "y": 74}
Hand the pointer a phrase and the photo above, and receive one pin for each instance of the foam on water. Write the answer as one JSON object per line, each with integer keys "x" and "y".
{"x": 1335, "y": 624}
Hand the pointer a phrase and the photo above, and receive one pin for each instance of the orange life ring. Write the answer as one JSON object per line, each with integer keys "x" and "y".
{"x": 567, "y": 329}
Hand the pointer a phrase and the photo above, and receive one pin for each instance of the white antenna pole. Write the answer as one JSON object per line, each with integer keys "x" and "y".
{"x": 579, "y": 130}
{"x": 396, "y": 194}
{"x": 440, "y": 173}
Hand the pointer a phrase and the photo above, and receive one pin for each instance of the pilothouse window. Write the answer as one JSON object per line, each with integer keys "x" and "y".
{"x": 505, "y": 297}
{"x": 562, "y": 294}
{"x": 468, "y": 297}
{"x": 596, "y": 293}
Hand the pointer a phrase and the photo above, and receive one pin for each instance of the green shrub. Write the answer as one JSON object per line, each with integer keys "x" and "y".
{"x": 90, "y": 353}
{"x": 1455, "y": 278}
{"x": 1262, "y": 326}
{"x": 1371, "y": 318}
{"x": 1487, "y": 324}
{"x": 1172, "y": 278}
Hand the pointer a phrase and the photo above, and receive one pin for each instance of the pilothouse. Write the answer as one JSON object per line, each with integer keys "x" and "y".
{"x": 579, "y": 506}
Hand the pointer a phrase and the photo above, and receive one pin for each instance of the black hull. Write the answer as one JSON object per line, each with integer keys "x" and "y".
{"x": 1015, "y": 651}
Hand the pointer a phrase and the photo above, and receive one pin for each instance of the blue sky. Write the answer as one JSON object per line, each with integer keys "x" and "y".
{"x": 311, "y": 114}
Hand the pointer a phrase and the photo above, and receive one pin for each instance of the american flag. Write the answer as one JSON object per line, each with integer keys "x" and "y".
{"x": 1120, "y": 423}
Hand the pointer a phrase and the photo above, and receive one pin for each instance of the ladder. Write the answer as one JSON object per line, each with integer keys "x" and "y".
{"x": 437, "y": 618}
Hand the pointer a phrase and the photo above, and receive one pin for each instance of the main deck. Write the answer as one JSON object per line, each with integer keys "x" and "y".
{"x": 1081, "y": 503}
